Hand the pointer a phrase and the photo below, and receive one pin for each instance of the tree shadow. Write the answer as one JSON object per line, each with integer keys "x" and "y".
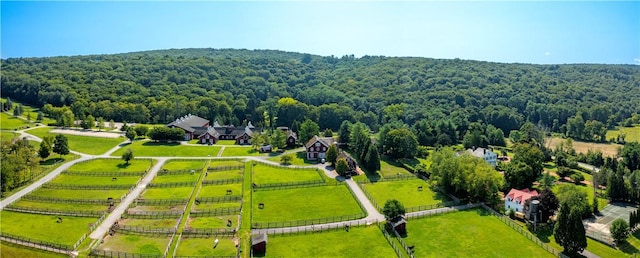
{"x": 161, "y": 144}
{"x": 51, "y": 161}
{"x": 123, "y": 165}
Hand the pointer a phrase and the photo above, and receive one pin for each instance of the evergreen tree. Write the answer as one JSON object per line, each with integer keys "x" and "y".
{"x": 307, "y": 130}
{"x": 372, "y": 159}
{"x": 332, "y": 154}
{"x": 45, "y": 150}
{"x": 342, "y": 166}
{"x": 39, "y": 117}
{"x": 569, "y": 231}
{"x": 344, "y": 132}
{"x": 327, "y": 133}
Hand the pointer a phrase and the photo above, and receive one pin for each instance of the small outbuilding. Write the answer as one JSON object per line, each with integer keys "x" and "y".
{"x": 399, "y": 225}
{"x": 259, "y": 243}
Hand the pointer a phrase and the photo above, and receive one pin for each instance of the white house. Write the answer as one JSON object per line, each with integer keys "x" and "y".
{"x": 485, "y": 154}
{"x": 516, "y": 199}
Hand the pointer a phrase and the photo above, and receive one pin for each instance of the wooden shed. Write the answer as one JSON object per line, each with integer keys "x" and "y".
{"x": 259, "y": 243}
{"x": 400, "y": 225}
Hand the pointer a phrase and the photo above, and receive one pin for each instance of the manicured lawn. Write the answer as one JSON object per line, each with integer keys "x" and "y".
{"x": 213, "y": 222}
{"x": 113, "y": 165}
{"x": 95, "y": 180}
{"x": 84, "y": 144}
{"x": 358, "y": 242}
{"x": 184, "y": 165}
{"x": 391, "y": 168}
{"x": 10, "y": 250}
{"x": 167, "y": 193}
{"x": 226, "y": 142}
{"x": 469, "y": 233}
{"x": 188, "y": 177}
{"x": 632, "y": 134}
{"x": 80, "y": 194}
{"x": 240, "y": 151}
{"x": 225, "y": 163}
{"x": 303, "y": 204}
{"x": 60, "y": 206}
{"x": 46, "y": 227}
{"x": 299, "y": 159}
{"x": 8, "y": 122}
{"x": 220, "y": 190}
{"x": 159, "y": 149}
{"x": 204, "y": 247}
{"x": 263, "y": 174}
{"x": 226, "y": 174}
{"x": 406, "y": 192}
{"x": 135, "y": 244}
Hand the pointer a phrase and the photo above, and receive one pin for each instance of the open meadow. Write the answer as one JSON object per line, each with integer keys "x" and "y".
{"x": 608, "y": 149}
{"x": 299, "y": 158}
{"x": 46, "y": 227}
{"x": 204, "y": 247}
{"x": 83, "y": 144}
{"x": 146, "y": 148}
{"x": 138, "y": 244}
{"x": 263, "y": 174}
{"x": 196, "y": 165}
{"x": 113, "y": 165}
{"x": 405, "y": 191}
{"x": 632, "y": 134}
{"x": 230, "y": 151}
{"x": 10, "y": 250}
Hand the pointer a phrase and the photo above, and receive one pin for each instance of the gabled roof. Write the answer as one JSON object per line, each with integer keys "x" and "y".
{"x": 258, "y": 238}
{"x": 323, "y": 140}
{"x": 520, "y": 196}
{"x": 479, "y": 152}
{"x": 189, "y": 121}
{"x": 211, "y": 131}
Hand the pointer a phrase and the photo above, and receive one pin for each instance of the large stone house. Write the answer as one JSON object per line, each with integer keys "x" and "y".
{"x": 198, "y": 128}
{"x": 317, "y": 147}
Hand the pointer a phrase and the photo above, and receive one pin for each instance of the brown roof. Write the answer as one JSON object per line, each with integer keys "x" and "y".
{"x": 327, "y": 141}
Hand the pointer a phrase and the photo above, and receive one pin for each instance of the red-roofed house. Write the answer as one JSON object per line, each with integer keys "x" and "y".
{"x": 516, "y": 199}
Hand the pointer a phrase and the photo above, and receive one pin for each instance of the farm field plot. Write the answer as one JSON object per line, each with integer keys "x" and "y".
{"x": 95, "y": 180}
{"x": 632, "y": 134}
{"x": 10, "y": 250}
{"x": 158, "y": 208}
{"x": 160, "y": 149}
{"x": 80, "y": 194}
{"x": 45, "y": 227}
{"x": 358, "y": 242}
{"x": 186, "y": 177}
{"x": 155, "y": 223}
{"x": 608, "y": 149}
{"x": 167, "y": 193}
{"x": 84, "y": 144}
{"x": 390, "y": 168}
{"x": 204, "y": 247}
{"x": 240, "y": 151}
{"x": 467, "y": 233}
{"x": 304, "y": 204}
{"x": 213, "y": 222}
{"x": 263, "y": 174}
{"x": 112, "y": 165}
{"x": 405, "y": 191}
{"x": 225, "y": 163}
{"x": 215, "y": 205}
{"x": 220, "y": 190}
{"x": 135, "y": 244}
{"x": 223, "y": 174}
{"x": 184, "y": 165}
{"x": 59, "y": 206}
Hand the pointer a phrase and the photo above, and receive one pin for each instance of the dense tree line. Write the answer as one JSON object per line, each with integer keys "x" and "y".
{"x": 19, "y": 163}
{"x": 439, "y": 99}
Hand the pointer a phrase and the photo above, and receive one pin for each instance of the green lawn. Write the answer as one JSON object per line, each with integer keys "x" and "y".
{"x": 79, "y": 194}
{"x": 8, "y": 122}
{"x": 632, "y": 134}
{"x": 159, "y": 149}
{"x": 60, "y": 206}
{"x": 204, "y": 247}
{"x": 113, "y": 165}
{"x": 406, "y": 192}
{"x": 135, "y": 244}
{"x": 10, "y": 250}
{"x": 358, "y": 242}
{"x": 84, "y": 144}
{"x": 7, "y": 136}
{"x": 585, "y": 188}
{"x": 624, "y": 249}
{"x": 95, "y": 180}
{"x": 391, "y": 168}
{"x": 226, "y": 174}
{"x": 240, "y": 151}
{"x": 155, "y": 223}
{"x": 215, "y": 205}
{"x": 220, "y": 190}
{"x": 299, "y": 159}
{"x": 303, "y": 204}
{"x": 45, "y": 227}
{"x": 184, "y": 165}
{"x": 263, "y": 174}
{"x": 188, "y": 177}
{"x": 468, "y": 233}
{"x": 212, "y": 222}
{"x": 167, "y": 193}
{"x": 225, "y": 163}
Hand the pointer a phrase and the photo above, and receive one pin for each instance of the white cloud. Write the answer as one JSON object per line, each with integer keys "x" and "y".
{"x": 636, "y": 61}
{"x": 547, "y": 53}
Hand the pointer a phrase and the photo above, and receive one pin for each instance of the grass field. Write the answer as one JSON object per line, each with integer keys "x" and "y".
{"x": 188, "y": 177}
{"x": 212, "y": 222}
{"x": 623, "y": 250}
{"x": 299, "y": 159}
{"x": 9, "y": 250}
{"x": 390, "y": 168}
{"x": 358, "y": 242}
{"x": 216, "y": 205}
{"x": 184, "y": 165}
{"x": 263, "y": 174}
{"x": 204, "y": 247}
{"x": 406, "y": 192}
{"x": 8, "y": 122}
{"x": 226, "y": 174}
{"x": 167, "y": 193}
{"x": 304, "y": 204}
{"x": 226, "y": 142}
{"x": 156, "y": 223}
{"x": 45, "y": 227}
{"x": 468, "y": 233}
{"x": 220, "y": 190}
{"x": 113, "y": 165}
{"x": 60, "y": 206}
{"x": 80, "y": 194}
{"x": 241, "y": 151}
{"x": 632, "y": 134}
{"x": 95, "y": 180}
{"x": 158, "y": 149}
{"x": 135, "y": 244}
{"x": 225, "y": 163}
{"x": 608, "y": 149}
{"x": 84, "y": 144}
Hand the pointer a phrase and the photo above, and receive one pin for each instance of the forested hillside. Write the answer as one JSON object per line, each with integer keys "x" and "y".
{"x": 234, "y": 86}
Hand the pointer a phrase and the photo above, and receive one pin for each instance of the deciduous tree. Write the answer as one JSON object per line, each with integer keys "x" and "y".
{"x": 393, "y": 209}
{"x": 342, "y": 166}
{"x": 127, "y": 156}
{"x": 60, "y": 145}
{"x": 569, "y": 231}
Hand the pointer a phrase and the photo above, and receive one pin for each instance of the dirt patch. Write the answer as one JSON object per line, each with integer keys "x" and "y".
{"x": 86, "y": 133}
{"x": 607, "y": 149}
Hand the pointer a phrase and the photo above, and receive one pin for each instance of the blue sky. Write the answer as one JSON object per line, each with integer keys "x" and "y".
{"x": 523, "y": 32}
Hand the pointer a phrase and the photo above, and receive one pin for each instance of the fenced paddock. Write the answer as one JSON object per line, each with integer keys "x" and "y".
{"x": 204, "y": 246}
{"x": 154, "y": 223}
{"x": 174, "y": 178}
{"x": 224, "y": 174}
{"x": 167, "y": 193}
{"x": 124, "y": 245}
{"x": 413, "y": 193}
{"x": 215, "y": 222}
{"x": 220, "y": 190}
{"x": 266, "y": 174}
{"x": 184, "y": 165}
{"x": 68, "y": 179}
{"x": 64, "y": 206}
